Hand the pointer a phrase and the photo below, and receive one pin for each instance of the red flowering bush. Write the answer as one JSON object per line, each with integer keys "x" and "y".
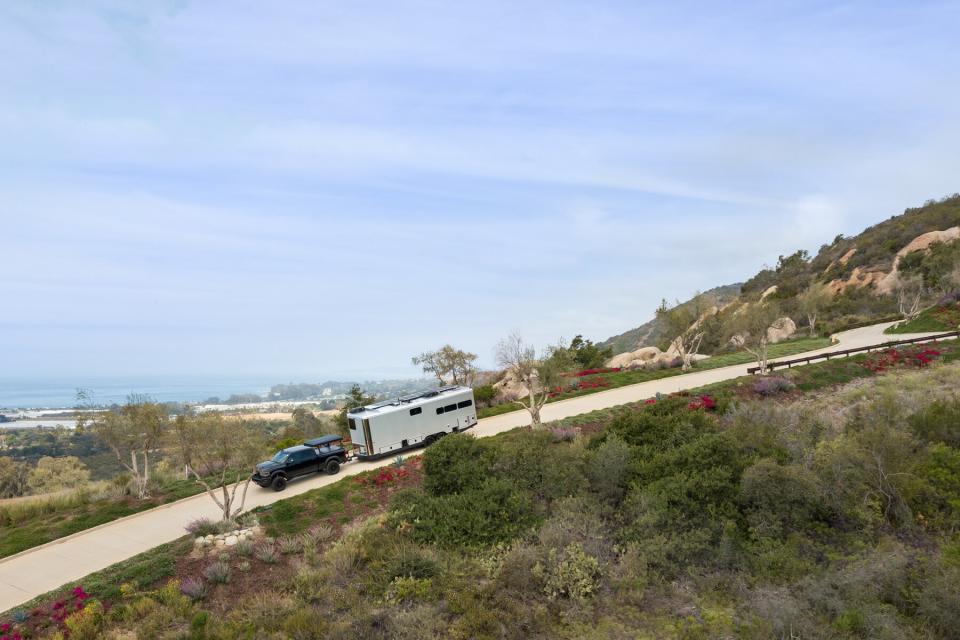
{"x": 41, "y": 618}
{"x": 892, "y": 357}
{"x": 703, "y": 402}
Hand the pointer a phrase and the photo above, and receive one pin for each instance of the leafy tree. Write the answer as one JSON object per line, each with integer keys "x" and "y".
{"x": 133, "y": 432}
{"x": 684, "y": 325}
{"x": 13, "y": 477}
{"x": 748, "y": 328}
{"x": 448, "y": 364}
{"x": 538, "y": 373}
{"x": 57, "y": 474}
{"x": 355, "y": 398}
{"x": 587, "y": 355}
{"x": 305, "y": 421}
{"x": 484, "y": 394}
{"x": 220, "y": 456}
{"x": 812, "y": 302}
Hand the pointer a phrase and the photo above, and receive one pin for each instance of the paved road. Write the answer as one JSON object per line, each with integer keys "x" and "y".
{"x": 41, "y": 569}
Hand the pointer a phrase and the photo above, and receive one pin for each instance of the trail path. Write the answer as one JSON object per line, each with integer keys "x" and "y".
{"x": 36, "y": 571}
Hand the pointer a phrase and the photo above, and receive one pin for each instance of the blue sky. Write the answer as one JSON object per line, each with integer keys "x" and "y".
{"x": 303, "y": 189}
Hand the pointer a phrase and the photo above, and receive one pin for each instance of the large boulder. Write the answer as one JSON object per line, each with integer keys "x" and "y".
{"x": 781, "y": 329}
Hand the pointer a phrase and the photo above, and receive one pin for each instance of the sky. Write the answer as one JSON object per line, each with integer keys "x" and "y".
{"x": 315, "y": 189}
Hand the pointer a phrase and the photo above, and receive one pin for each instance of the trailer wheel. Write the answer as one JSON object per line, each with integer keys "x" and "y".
{"x": 279, "y": 483}
{"x": 332, "y": 468}
{"x": 433, "y": 437}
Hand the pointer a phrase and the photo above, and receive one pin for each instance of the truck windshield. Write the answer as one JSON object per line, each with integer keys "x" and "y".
{"x": 280, "y": 456}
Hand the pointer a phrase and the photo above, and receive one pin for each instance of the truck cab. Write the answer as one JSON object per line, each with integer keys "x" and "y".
{"x": 324, "y": 454}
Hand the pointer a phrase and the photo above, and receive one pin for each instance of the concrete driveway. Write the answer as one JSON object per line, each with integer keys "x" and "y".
{"x": 41, "y": 569}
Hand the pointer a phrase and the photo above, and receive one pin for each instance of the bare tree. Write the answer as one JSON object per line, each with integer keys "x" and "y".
{"x": 538, "y": 373}
{"x": 683, "y": 324}
{"x": 133, "y": 433}
{"x": 812, "y": 301}
{"x": 220, "y": 456}
{"x": 448, "y": 363}
{"x": 909, "y": 296}
{"x": 749, "y": 326}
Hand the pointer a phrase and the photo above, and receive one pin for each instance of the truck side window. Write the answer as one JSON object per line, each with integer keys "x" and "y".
{"x": 416, "y": 411}
{"x": 353, "y": 424}
{"x": 450, "y": 407}
{"x": 439, "y": 410}
{"x": 464, "y": 404}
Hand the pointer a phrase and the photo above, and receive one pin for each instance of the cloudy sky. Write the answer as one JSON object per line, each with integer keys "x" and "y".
{"x": 303, "y": 189}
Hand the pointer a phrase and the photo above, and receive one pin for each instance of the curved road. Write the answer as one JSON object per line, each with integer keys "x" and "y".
{"x": 36, "y": 571}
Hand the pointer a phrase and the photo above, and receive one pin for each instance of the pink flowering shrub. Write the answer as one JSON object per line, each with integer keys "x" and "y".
{"x": 703, "y": 402}
{"x": 892, "y": 357}
{"x": 41, "y": 618}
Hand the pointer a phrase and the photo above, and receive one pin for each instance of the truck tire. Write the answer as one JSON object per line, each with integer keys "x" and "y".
{"x": 279, "y": 483}
{"x": 332, "y": 467}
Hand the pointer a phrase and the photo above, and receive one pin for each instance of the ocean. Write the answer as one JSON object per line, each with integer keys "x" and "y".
{"x": 26, "y": 393}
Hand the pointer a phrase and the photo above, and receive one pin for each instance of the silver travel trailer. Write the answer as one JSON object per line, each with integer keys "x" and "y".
{"x": 392, "y": 426}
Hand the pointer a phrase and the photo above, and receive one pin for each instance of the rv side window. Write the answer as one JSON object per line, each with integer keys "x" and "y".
{"x": 450, "y": 407}
{"x": 353, "y": 424}
{"x": 464, "y": 404}
{"x": 439, "y": 410}
{"x": 416, "y": 411}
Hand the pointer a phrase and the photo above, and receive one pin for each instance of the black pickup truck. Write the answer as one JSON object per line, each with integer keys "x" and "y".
{"x": 324, "y": 454}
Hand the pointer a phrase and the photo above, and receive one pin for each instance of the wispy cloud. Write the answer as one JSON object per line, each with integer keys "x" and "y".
{"x": 317, "y": 187}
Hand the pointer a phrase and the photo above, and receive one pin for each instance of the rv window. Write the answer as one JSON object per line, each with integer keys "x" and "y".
{"x": 353, "y": 425}
{"x": 416, "y": 411}
{"x": 464, "y": 404}
{"x": 439, "y": 410}
{"x": 450, "y": 407}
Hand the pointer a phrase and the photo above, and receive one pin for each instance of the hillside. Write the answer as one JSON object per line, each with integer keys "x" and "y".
{"x": 651, "y": 333}
{"x": 756, "y": 508}
{"x": 861, "y": 273}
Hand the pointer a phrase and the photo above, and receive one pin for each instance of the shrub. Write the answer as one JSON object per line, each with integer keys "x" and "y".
{"x": 563, "y": 434}
{"x": 780, "y": 499}
{"x": 607, "y": 468}
{"x": 938, "y": 422}
{"x": 456, "y": 463}
{"x": 493, "y": 512}
{"x": 320, "y": 533}
{"x": 267, "y": 553}
{"x": 203, "y": 527}
{"x": 290, "y": 544}
{"x": 217, "y": 572}
{"x": 244, "y": 566}
{"x": 244, "y": 548}
{"x": 194, "y": 588}
{"x": 570, "y": 573}
{"x": 771, "y": 386}
{"x": 409, "y": 588}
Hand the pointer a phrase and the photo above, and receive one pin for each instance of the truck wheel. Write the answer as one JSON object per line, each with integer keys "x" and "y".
{"x": 279, "y": 483}
{"x": 433, "y": 437}
{"x": 332, "y": 468}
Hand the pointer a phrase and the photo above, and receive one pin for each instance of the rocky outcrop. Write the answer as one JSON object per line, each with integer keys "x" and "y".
{"x": 647, "y": 357}
{"x": 858, "y": 278}
{"x": 769, "y": 292}
{"x": 510, "y": 388}
{"x": 921, "y": 243}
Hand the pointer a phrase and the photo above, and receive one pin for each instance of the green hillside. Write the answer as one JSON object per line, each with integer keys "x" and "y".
{"x": 871, "y": 251}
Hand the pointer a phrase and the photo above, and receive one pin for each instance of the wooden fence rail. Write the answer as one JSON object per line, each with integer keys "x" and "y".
{"x": 846, "y": 352}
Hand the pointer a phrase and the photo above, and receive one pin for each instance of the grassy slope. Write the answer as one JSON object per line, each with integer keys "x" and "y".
{"x": 80, "y": 515}
{"x": 624, "y": 378}
{"x": 932, "y": 319}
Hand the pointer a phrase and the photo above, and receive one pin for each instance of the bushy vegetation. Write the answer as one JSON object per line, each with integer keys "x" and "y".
{"x": 761, "y": 514}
